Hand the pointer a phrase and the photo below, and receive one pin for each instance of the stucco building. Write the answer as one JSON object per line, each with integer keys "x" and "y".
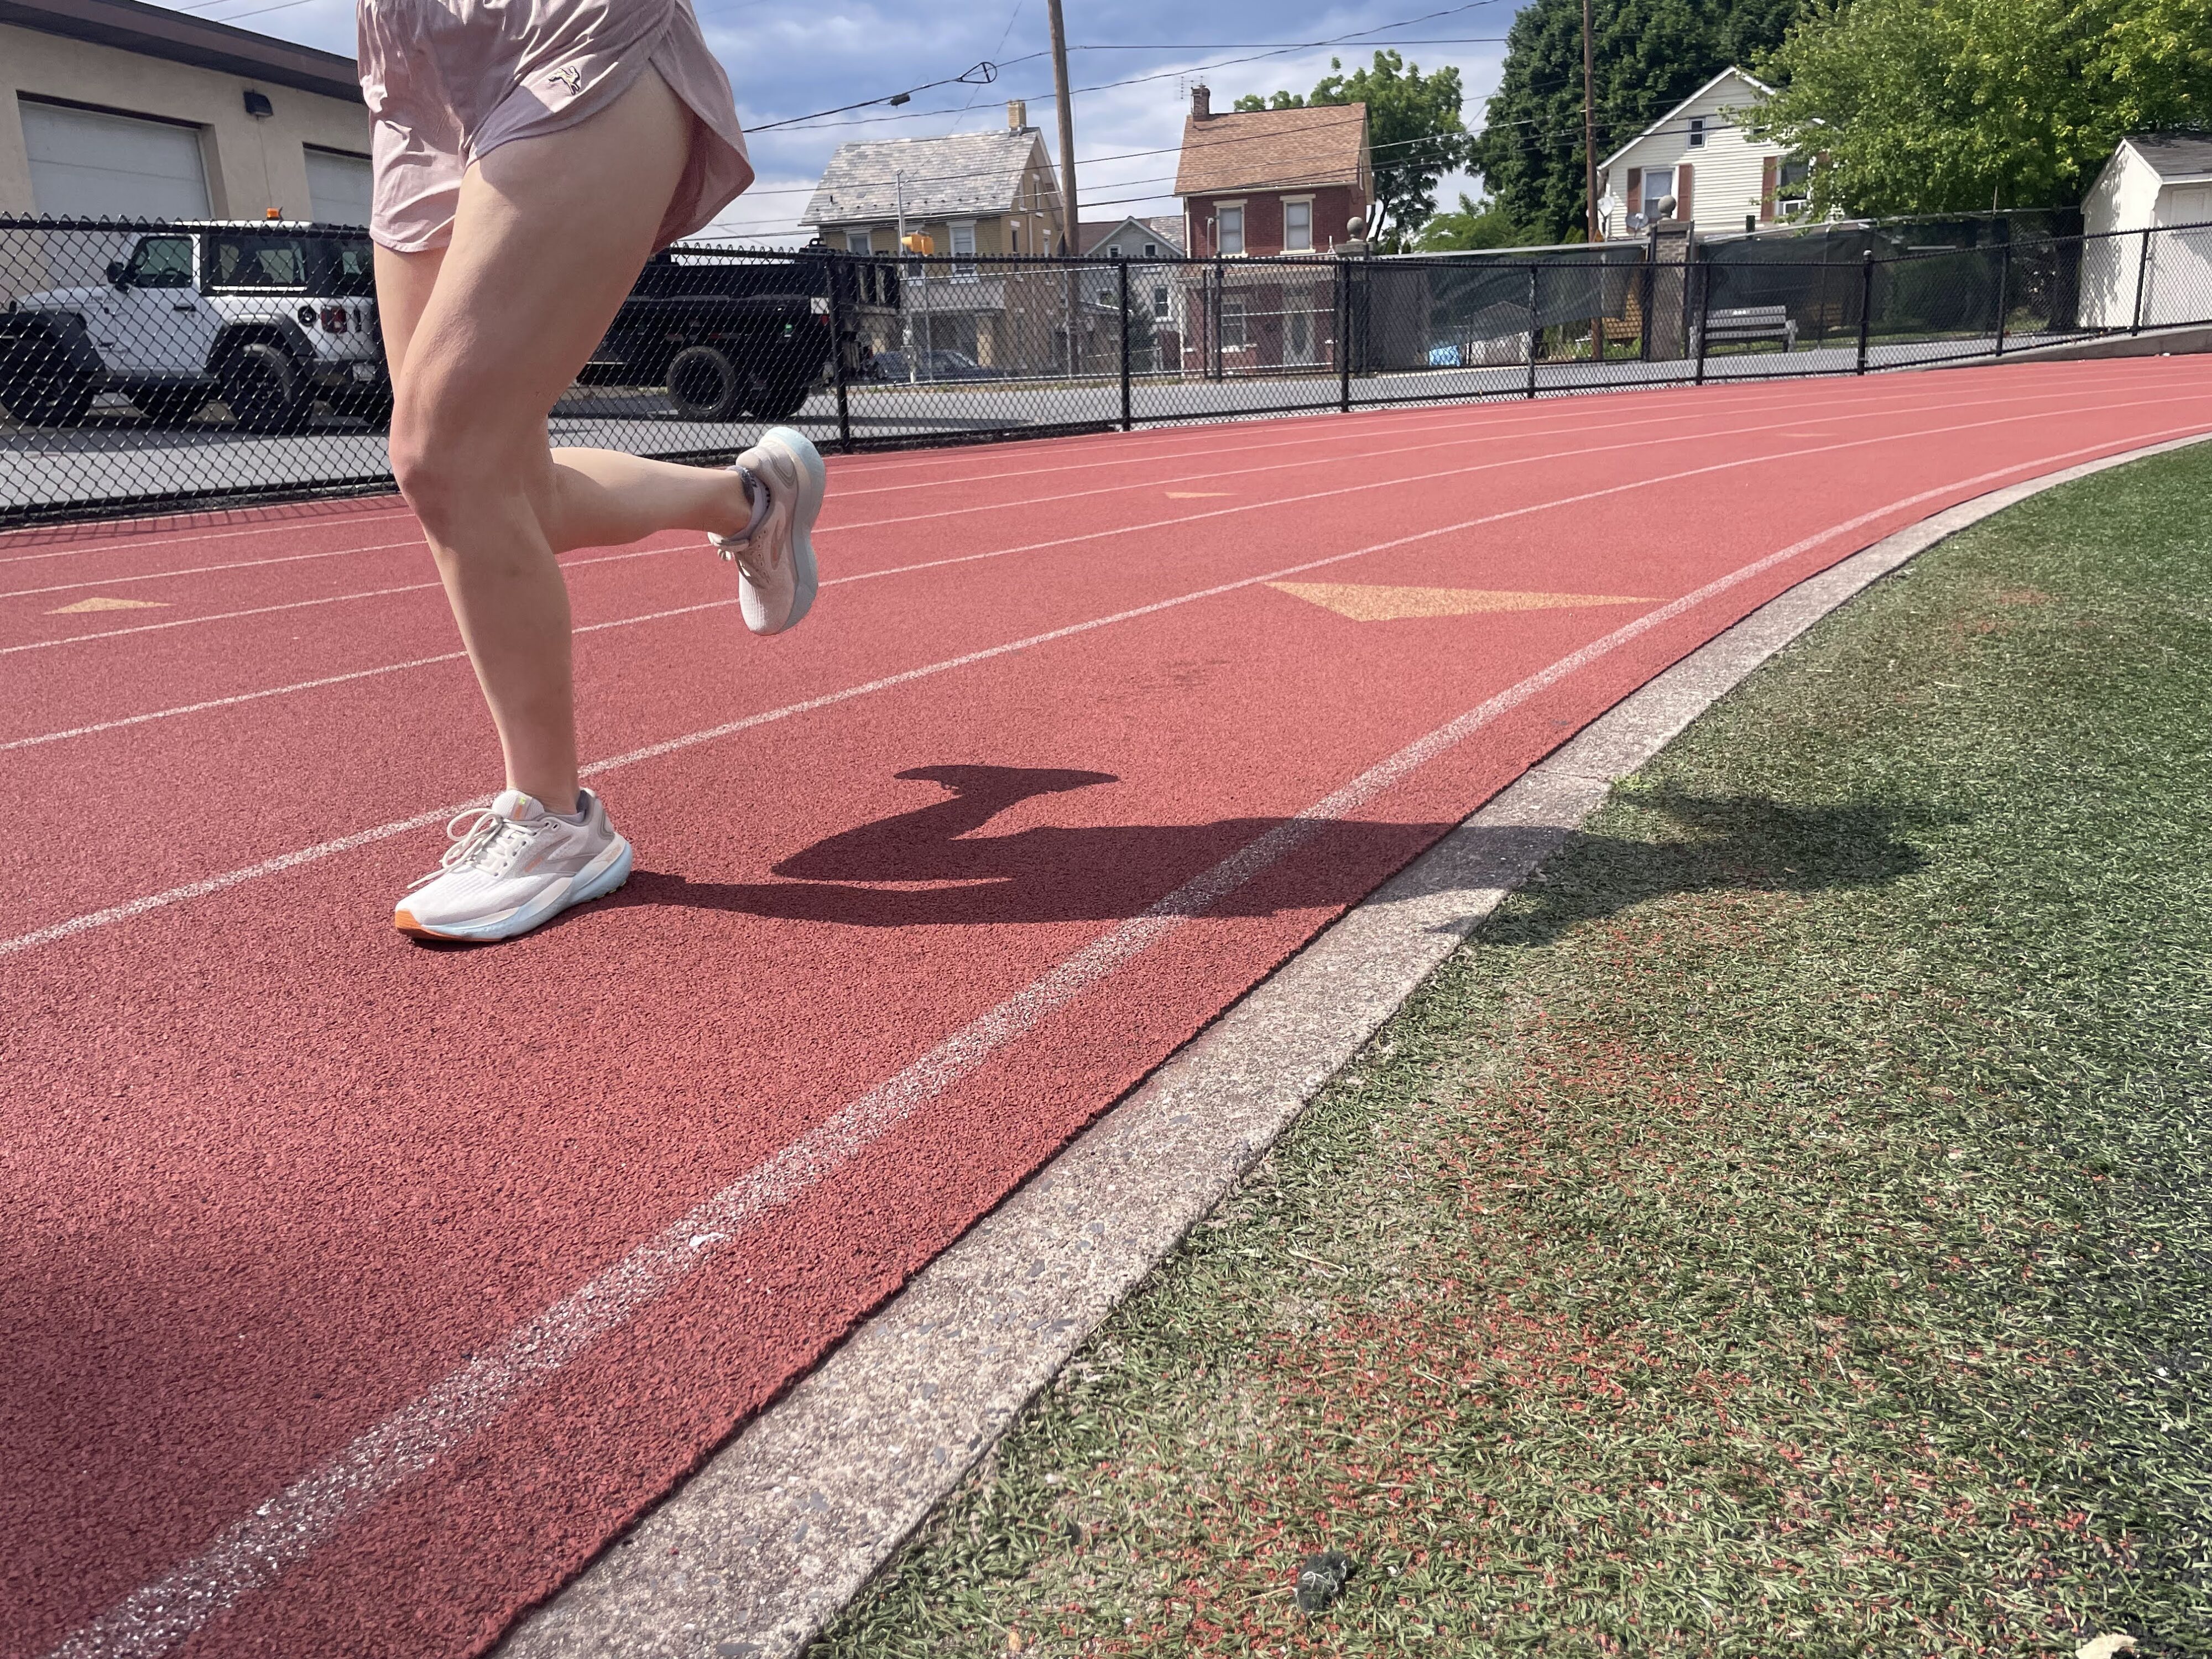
{"x": 114, "y": 109}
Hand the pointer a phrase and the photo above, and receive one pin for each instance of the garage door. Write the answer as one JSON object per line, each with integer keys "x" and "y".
{"x": 87, "y": 164}
{"x": 337, "y": 187}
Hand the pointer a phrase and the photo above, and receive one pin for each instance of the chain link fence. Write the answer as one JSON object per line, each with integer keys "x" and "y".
{"x": 150, "y": 365}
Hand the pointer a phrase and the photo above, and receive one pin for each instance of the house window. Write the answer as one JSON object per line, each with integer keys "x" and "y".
{"x": 1791, "y": 183}
{"x": 858, "y": 241}
{"x": 1658, "y": 185}
{"x": 964, "y": 248}
{"x": 1297, "y": 226}
{"x": 1114, "y": 251}
{"x": 1151, "y": 250}
{"x": 1229, "y": 231}
{"x": 1697, "y": 132}
{"x": 1232, "y": 324}
{"x": 1160, "y": 300}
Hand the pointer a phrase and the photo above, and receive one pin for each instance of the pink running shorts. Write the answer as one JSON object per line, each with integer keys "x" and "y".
{"x": 447, "y": 82}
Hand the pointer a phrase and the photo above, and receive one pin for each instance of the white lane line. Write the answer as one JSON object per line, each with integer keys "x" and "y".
{"x": 1033, "y": 547}
{"x": 61, "y": 930}
{"x": 259, "y": 1547}
{"x": 209, "y": 570}
{"x": 300, "y": 526}
{"x": 866, "y": 575}
{"x": 303, "y": 604}
{"x": 1672, "y": 418}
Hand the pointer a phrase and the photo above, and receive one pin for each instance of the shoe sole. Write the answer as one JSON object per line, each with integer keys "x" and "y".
{"x": 594, "y": 881}
{"x": 805, "y": 576}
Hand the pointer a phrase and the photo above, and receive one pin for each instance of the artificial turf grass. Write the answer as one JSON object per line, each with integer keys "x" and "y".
{"x": 1783, "y": 1229}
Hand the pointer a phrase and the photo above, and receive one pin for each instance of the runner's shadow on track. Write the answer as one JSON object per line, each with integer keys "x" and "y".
{"x": 871, "y": 876}
{"x": 874, "y": 875}
{"x": 1741, "y": 843}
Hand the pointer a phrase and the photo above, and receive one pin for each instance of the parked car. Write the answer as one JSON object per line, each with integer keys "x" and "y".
{"x": 267, "y": 317}
{"x": 931, "y": 366}
{"x": 734, "y": 335}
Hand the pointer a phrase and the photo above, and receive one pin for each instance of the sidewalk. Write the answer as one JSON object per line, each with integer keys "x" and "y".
{"x": 1782, "y": 1228}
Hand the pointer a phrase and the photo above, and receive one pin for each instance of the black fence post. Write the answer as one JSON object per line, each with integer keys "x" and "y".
{"x": 837, "y": 347}
{"x": 1121, "y": 270}
{"x": 1535, "y": 331}
{"x": 1343, "y": 335}
{"x": 1704, "y": 272}
{"x": 1866, "y": 304}
{"x": 2004, "y": 293}
{"x": 2142, "y": 273}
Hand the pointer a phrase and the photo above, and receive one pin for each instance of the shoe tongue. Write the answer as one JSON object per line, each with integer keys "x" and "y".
{"x": 514, "y": 805}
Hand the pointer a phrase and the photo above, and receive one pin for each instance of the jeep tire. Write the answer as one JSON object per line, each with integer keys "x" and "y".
{"x": 703, "y": 383}
{"x": 46, "y": 394}
{"x": 265, "y": 392}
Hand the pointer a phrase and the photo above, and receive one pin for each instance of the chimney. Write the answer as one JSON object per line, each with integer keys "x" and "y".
{"x": 1201, "y": 102}
{"x": 1018, "y": 115}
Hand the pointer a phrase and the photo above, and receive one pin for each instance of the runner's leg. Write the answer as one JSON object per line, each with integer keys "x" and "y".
{"x": 548, "y": 239}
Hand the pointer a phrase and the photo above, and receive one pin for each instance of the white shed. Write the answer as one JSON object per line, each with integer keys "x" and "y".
{"x": 2159, "y": 183}
{"x": 1699, "y": 153}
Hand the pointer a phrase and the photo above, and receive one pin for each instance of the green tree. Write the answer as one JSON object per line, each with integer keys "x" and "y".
{"x": 1649, "y": 56}
{"x": 1470, "y": 225}
{"x": 1414, "y": 128}
{"x": 1951, "y": 106}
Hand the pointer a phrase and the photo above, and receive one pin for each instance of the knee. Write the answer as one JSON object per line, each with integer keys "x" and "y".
{"x": 450, "y": 471}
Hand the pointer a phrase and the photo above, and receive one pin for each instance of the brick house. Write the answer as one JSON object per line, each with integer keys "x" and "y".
{"x": 1261, "y": 183}
{"x": 1256, "y": 182}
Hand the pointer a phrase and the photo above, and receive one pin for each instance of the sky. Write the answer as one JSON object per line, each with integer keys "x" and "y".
{"x": 1132, "y": 62}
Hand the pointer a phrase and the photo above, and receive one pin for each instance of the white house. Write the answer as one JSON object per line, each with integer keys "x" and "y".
{"x": 2156, "y": 181}
{"x": 1721, "y": 178}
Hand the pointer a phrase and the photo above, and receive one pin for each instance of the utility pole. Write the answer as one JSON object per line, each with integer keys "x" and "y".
{"x": 1589, "y": 126}
{"x": 1070, "y": 235}
{"x": 1589, "y": 187}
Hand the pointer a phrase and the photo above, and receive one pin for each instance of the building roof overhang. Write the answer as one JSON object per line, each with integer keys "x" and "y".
{"x": 180, "y": 38}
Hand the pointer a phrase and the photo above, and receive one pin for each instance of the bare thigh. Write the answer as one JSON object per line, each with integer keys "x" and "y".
{"x": 485, "y": 334}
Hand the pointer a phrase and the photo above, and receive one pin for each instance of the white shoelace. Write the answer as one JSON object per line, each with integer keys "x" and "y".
{"x": 479, "y": 835}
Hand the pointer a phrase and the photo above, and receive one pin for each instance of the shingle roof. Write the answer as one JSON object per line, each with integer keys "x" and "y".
{"x": 966, "y": 173}
{"x": 1272, "y": 148}
{"x": 2174, "y": 155}
{"x": 1095, "y": 231}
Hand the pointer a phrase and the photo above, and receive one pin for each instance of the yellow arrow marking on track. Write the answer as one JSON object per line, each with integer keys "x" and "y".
{"x": 84, "y": 605}
{"x": 1368, "y": 604}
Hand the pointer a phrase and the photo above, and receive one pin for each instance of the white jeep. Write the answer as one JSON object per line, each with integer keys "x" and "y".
{"x": 268, "y": 317}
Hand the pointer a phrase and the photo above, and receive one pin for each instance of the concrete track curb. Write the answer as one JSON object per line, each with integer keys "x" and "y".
{"x": 753, "y": 1555}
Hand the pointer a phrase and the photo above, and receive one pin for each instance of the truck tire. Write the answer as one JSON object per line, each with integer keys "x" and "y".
{"x": 46, "y": 394}
{"x": 703, "y": 383}
{"x": 265, "y": 392}
{"x": 779, "y": 399}
{"x": 171, "y": 408}
{"x": 370, "y": 403}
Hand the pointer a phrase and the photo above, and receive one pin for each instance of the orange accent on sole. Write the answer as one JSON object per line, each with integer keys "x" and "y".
{"x": 404, "y": 921}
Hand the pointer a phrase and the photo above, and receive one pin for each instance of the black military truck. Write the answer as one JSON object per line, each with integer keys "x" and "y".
{"x": 732, "y": 334}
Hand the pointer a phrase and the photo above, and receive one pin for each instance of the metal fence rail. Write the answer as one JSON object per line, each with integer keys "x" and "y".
{"x": 147, "y": 364}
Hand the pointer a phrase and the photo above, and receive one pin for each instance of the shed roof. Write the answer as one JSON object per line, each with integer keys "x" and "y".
{"x": 964, "y": 172}
{"x": 2174, "y": 155}
{"x": 1273, "y": 148}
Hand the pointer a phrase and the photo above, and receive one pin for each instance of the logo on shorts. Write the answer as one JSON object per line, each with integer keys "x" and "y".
{"x": 569, "y": 76}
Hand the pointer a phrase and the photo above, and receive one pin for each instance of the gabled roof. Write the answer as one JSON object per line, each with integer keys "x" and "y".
{"x": 1750, "y": 80}
{"x": 181, "y": 38}
{"x": 1272, "y": 150}
{"x": 1098, "y": 232}
{"x": 965, "y": 173}
{"x": 2174, "y": 155}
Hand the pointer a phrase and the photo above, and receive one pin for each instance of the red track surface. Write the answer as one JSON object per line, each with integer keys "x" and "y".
{"x": 306, "y": 1232}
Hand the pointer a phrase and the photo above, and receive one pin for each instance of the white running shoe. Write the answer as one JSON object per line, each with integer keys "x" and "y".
{"x": 513, "y": 866}
{"x": 774, "y": 554}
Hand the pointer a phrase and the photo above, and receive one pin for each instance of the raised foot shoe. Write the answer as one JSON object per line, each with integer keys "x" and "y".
{"x": 513, "y": 866}
{"x": 774, "y": 554}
